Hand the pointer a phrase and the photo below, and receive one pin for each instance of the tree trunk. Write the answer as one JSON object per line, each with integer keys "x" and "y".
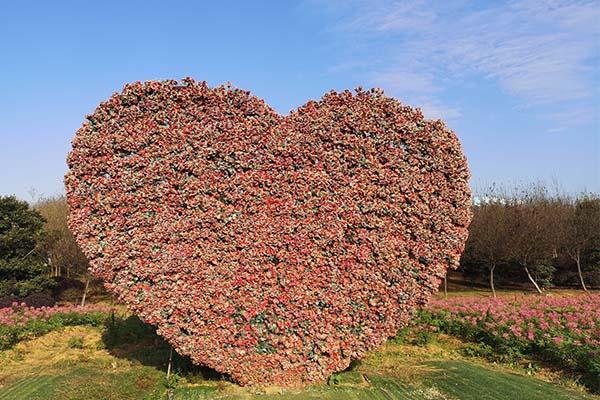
{"x": 170, "y": 394}
{"x": 51, "y": 273}
{"x": 532, "y": 280}
{"x": 446, "y": 285}
{"x": 87, "y": 284}
{"x": 492, "y": 280}
{"x": 169, "y": 365}
{"x": 578, "y": 261}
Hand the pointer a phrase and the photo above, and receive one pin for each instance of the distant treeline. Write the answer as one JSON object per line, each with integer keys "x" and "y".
{"x": 530, "y": 234}
{"x": 527, "y": 235}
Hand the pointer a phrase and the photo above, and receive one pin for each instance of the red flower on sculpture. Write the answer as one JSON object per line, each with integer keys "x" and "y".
{"x": 273, "y": 249}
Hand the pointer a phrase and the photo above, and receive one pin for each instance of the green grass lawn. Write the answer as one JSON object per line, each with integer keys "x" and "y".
{"x": 129, "y": 363}
{"x": 449, "y": 379}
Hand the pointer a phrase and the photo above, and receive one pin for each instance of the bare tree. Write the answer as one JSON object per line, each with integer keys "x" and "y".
{"x": 581, "y": 230}
{"x": 533, "y": 239}
{"x": 64, "y": 255}
{"x": 488, "y": 234}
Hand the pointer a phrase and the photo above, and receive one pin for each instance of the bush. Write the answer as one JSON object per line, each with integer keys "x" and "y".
{"x": 543, "y": 274}
{"x": 37, "y": 284}
{"x": 422, "y": 337}
{"x": 479, "y": 350}
{"x": 274, "y": 249}
{"x": 71, "y": 295}
{"x": 37, "y": 300}
{"x": 64, "y": 283}
{"x": 8, "y": 300}
{"x": 592, "y": 377}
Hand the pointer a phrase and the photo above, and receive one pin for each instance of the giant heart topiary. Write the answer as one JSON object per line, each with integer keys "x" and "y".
{"x": 273, "y": 249}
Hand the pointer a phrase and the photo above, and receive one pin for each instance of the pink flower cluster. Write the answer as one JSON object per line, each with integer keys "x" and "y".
{"x": 20, "y": 314}
{"x": 543, "y": 320}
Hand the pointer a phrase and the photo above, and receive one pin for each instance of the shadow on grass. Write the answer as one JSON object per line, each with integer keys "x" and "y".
{"x": 136, "y": 341}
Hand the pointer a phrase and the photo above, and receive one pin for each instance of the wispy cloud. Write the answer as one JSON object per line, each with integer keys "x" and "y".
{"x": 406, "y": 81}
{"x": 435, "y": 110}
{"x": 544, "y": 53}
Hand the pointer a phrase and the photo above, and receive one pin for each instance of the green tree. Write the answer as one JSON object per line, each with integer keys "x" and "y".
{"x": 22, "y": 267}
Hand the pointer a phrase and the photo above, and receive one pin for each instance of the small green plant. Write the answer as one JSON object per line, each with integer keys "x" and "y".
{"x": 334, "y": 379}
{"x": 171, "y": 381}
{"x": 531, "y": 369}
{"x": 422, "y": 337}
{"x": 479, "y": 350}
{"x": 76, "y": 342}
{"x": 401, "y": 336}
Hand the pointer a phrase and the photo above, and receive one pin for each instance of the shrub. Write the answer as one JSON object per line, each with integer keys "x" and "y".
{"x": 71, "y": 295}
{"x": 37, "y": 300}
{"x": 8, "y": 300}
{"x": 479, "y": 350}
{"x": 274, "y": 249}
{"x": 422, "y": 337}
{"x": 592, "y": 377}
{"x": 64, "y": 283}
{"x": 38, "y": 284}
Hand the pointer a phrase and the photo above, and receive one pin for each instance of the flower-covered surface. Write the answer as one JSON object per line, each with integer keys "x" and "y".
{"x": 523, "y": 322}
{"x": 273, "y": 249}
{"x": 563, "y": 330}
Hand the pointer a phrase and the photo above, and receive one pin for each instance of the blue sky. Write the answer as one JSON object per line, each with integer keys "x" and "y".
{"x": 519, "y": 81}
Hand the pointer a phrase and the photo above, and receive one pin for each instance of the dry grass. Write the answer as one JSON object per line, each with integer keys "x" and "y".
{"x": 51, "y": 353}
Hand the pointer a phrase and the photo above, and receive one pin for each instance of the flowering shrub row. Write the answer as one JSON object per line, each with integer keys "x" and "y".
{"x": 564, "y": 330}
{"x": 20, "y": 322}
{"x": 270, "y": 248}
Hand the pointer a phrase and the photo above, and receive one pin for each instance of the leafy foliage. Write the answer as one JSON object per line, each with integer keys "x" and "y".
{"x": 273, "y": 249}
{"x": 22, "y": 268}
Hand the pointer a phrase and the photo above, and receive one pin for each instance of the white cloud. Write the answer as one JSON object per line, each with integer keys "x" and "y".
{"x": 541, "y": 52}
{"x": 405, "y": 81}
{"x": 432, "y": 110}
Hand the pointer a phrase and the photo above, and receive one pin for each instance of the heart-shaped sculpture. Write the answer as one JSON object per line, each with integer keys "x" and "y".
{"x": 273, "y": 249}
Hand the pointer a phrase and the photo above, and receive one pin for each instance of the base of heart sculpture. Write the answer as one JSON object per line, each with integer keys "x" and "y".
{"x": 272, "y": 249}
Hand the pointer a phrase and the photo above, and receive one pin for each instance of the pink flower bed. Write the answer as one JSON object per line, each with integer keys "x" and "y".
{"x": 540, "y": 320}
{"x": 562, "y": 330}
{"x": 20, "y": 315}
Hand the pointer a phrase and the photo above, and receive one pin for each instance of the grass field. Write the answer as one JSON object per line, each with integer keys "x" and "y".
{"x": 128, "y": 362}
